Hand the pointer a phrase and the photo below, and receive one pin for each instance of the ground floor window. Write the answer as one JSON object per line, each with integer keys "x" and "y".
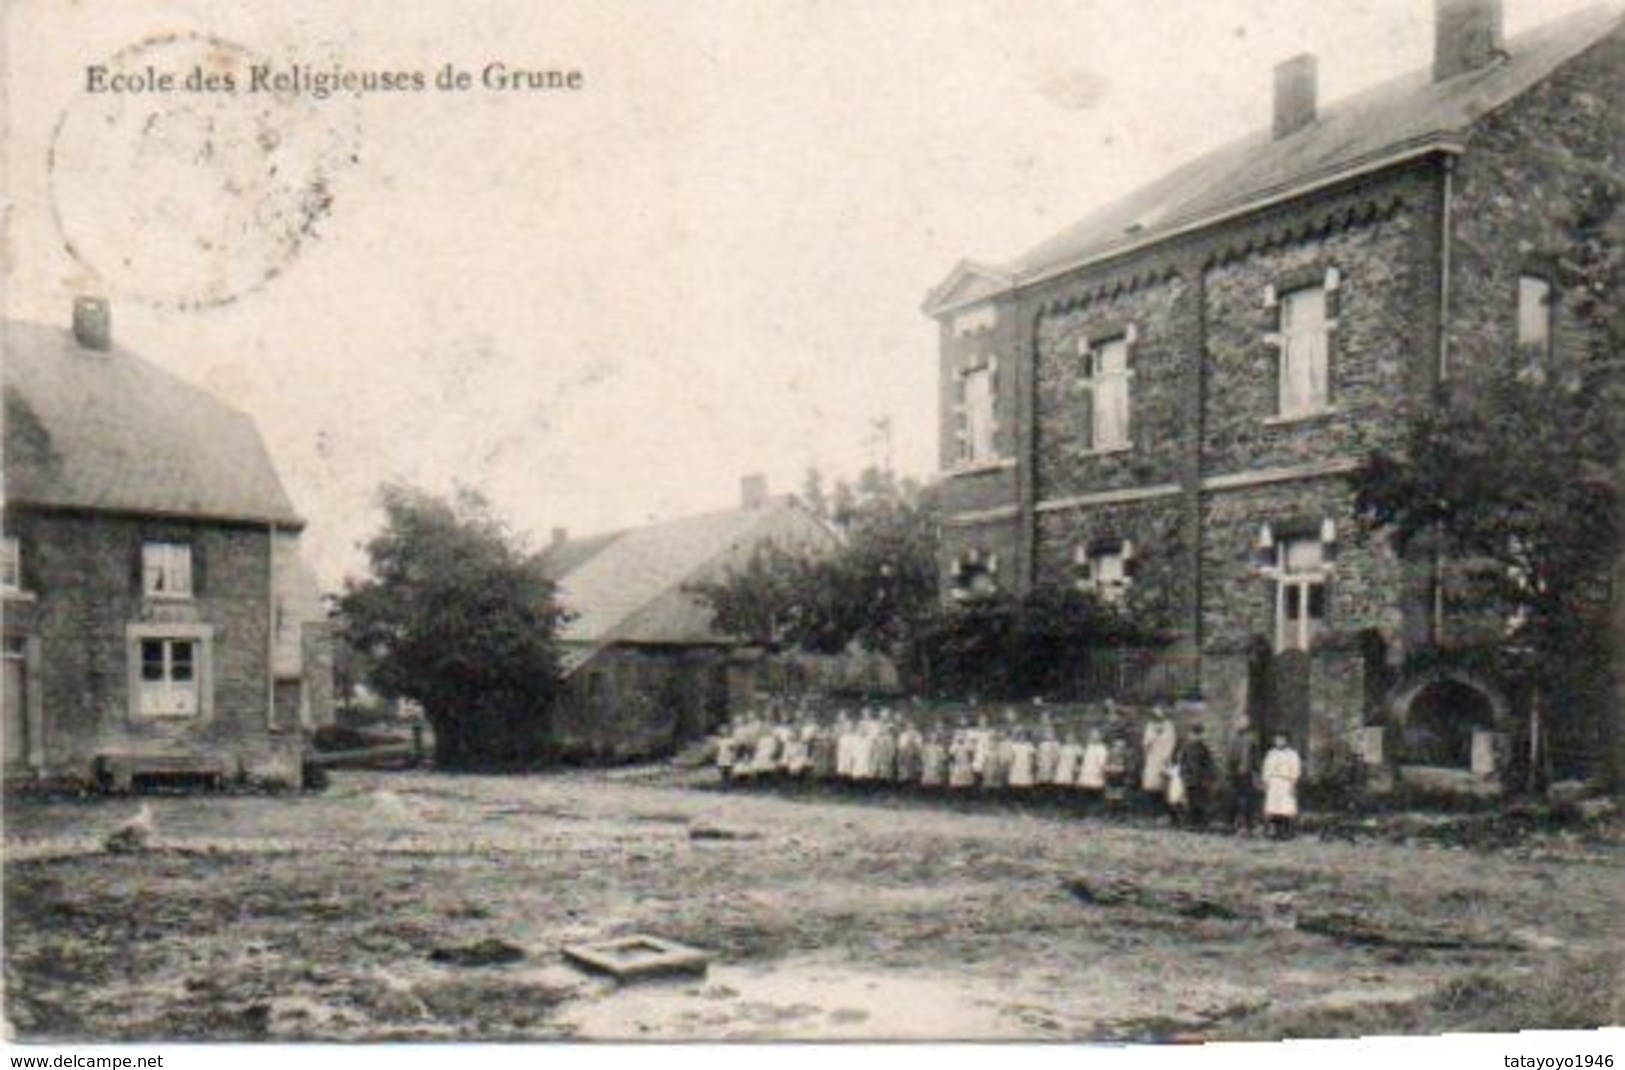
{"x": 169, "y": 671}
{"x": 15, "y": 702}
{"x": 1300, "y": 592}
{"x": 1104, "y": 570}
{"x": 975, "y": 576}
{"x": 169, "y": 678}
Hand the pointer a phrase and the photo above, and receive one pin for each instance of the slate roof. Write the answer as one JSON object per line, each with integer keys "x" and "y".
{"x": 630, "y": 586}
{"x": 1382, "y": 123}
{"x": 113, "y": 431}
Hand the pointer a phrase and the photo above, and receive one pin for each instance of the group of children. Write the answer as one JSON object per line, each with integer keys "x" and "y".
{"x": 1105, "y": 765}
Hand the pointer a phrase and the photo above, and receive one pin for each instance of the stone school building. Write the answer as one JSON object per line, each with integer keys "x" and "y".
{"x": 157, "y": 619}
{"x": 1163, "y": 403}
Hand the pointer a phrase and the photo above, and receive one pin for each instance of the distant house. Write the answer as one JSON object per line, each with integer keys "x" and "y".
{"x": 154, "y": 603}
{"x": 646, "y": 667}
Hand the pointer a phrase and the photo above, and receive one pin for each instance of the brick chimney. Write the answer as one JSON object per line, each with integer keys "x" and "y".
{"x": 1295, "y": 92}
{"x": 753, "y": 491}
{"x": 1467, "y": 35}
{"x": 93, "y": 323}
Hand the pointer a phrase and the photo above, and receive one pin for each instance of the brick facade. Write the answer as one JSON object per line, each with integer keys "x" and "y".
{"x": 1211, "y": 461}
{"x": 82, "y": 595}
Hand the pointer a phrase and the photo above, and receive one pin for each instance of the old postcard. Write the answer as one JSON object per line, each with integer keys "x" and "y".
{"x": 985, "y": 520}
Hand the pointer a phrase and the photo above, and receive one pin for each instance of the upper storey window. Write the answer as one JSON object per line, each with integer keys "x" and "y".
{"x": 166, "y": 570}
{"x": 1109, "y": 395}
{"x": 1534, "y": 318}
{"x": 976, "y": 414}
{"x": 11, "y": 564}
{"x": 1305, "y": 337}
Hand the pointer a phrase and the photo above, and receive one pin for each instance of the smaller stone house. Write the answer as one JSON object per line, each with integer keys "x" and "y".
{"x": 146, "y": 540}
{"x": 646, "y": 668}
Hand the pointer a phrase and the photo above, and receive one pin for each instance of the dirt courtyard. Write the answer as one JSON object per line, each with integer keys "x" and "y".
{"x": 332, "y": 917}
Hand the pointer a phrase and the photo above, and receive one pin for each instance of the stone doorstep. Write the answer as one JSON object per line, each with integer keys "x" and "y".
{"x": 121, "y": 769}
{"x": 639, "y": 957}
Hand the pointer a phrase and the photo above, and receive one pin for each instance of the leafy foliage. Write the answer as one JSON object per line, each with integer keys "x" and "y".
{"x": 456, "y": 615}
{"x": 870, "y": 591}
{"x": 880, "y": 591}
{"x": 1514, "y": 469}
{"x": 1016, "y": 648}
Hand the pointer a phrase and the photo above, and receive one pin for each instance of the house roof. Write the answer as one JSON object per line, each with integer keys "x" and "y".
{"x": 112, "y": 431}
{"x": 631, "y": 586}
{"x": 1383, "y": 124}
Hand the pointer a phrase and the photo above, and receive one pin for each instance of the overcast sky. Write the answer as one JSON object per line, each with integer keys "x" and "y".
{"x": 607, "y": 306}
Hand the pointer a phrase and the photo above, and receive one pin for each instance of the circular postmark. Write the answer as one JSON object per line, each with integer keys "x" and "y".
{"x": 177, "y": 184}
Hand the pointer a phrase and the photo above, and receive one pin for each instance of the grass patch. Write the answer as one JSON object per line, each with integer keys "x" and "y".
{"x": 1577, "y": 993}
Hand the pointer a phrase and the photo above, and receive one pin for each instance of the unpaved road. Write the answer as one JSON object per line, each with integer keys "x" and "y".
{"x": 315, "y": 917}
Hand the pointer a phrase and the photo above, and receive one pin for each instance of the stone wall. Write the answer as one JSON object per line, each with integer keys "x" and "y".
{"x": 1160, "y": 353}
{"x": 1380, "y": 348}
{"x": 1516, "y": 190}
{"x": 1210, "y": 459}
{"x": 1367, "y": 580}
{"x": 1160, "y": 566}
{"x": 629, "y": 702}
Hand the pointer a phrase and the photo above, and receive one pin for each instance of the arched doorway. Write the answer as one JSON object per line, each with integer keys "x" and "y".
{"x": 1438, "y": 716}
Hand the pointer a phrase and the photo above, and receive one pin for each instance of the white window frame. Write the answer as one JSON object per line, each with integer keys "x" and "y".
{"x": 978, "y": 417}
{"x": 1301, "y": 341}
{"x": 1105, "y": 572}
{"x": 975, "y": 575}
{"x": 1109, "y": 391}
{"x": 1298, "y": 585}
{"x": 11, "y": 564}
{"x": 1536, "y": 309}
{"x": 164, "y": 699}
{"x": 166, "y": 570}
{"x": 170, "y": 695}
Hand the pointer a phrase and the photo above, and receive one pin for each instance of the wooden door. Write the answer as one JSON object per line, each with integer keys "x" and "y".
{"x": 14, "y": 698}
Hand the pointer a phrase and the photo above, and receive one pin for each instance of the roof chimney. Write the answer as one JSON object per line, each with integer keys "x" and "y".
{"x": 560, "y": 537}
{"x": 93, "y": 323}
{"x": 753, "y": 491}
{"x": 1467, "y": 35}
{"x": 1295, "y": 88}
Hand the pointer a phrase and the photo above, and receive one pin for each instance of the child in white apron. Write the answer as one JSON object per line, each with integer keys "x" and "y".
{"x": 1281, "y": 772}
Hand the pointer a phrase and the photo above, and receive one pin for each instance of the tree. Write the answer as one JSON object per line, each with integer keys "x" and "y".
{"x": 458, "y": 616}
{"x": 870, "y": 590}
{"x": 1515, "y": 467}
{"x": 350, "y": 666}
{"x": 1008, "y": 647}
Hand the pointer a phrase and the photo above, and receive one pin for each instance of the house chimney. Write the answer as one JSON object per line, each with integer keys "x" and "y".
{"x": 1295, "y": 94}
{"x": 93, "y": 323}
{"x": 1467, "y": 35}
{"x": 560, "y": 537}
{"x": 753, "y": 491}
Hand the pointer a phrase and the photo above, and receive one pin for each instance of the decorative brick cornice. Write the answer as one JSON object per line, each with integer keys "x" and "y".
{"x": 1303, "y": 228}
{"x": 1117, "y": 284}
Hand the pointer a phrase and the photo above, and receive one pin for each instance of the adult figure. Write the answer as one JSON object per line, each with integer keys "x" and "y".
{"x": 1198, "y": 771}
{"x": 1241, "y": 775}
